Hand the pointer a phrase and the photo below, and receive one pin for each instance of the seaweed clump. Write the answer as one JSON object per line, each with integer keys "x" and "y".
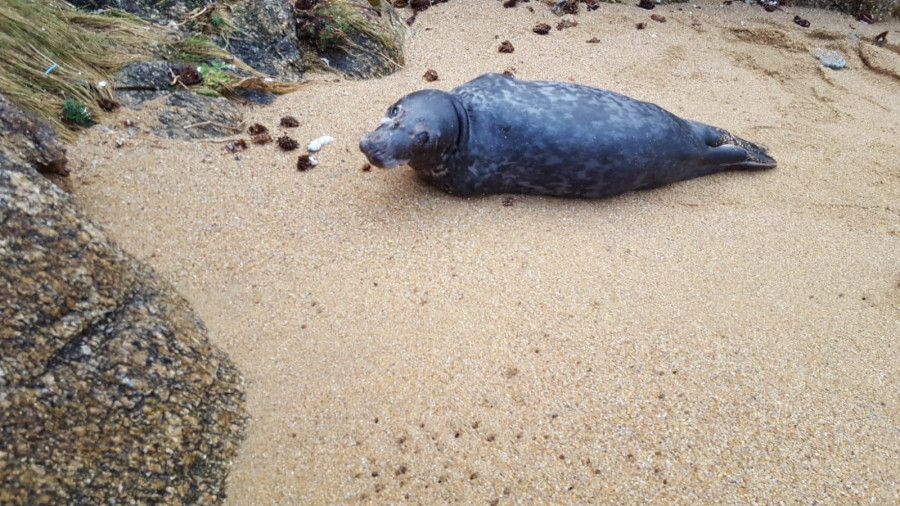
{"x": 76, "y": 113}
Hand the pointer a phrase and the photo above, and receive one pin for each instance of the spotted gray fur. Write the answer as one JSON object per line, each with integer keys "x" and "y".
{"x": 496, "y": 134}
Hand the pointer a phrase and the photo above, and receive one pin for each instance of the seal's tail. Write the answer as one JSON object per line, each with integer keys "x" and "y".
{"x": 732, "y": 152}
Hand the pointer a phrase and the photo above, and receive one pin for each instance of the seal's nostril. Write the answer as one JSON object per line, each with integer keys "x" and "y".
{"x": 364, "y": 143}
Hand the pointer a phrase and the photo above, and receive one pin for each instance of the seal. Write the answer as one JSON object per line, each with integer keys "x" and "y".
{"x": 497, "y": 134}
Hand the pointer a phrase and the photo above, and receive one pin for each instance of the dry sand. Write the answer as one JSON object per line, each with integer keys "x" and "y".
{"x": 727, "y": 339}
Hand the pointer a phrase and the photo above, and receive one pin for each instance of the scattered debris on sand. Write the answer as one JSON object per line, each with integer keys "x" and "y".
{"x": 287, "y": 144}
{"x": 566, "y": 23}
{"x": 511, "y": 200}
{"x": 306, "y": 162}
{"x": 236, "y": 146}
{"x": 506, "y": 47}
{"x": 261, "y": 138}
{"x": 541, "y": 29}
{"x": 647, "y": 4}
{"x": 430, "y": 75}
{"x": 801, "y": 22}
{"x": 658, "y": 18}
{"x": 256, "y": 129}
{"x": 289, "y": 122}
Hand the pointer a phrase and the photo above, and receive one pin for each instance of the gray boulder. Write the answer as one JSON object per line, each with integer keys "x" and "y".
{"x": 875, "y": 10}
{"x": 359, "y": 40}
{"x": 144, "y": 75}
{"x": 265, "y": 38}
{"x": 160, "y": 12}
{"x": 110, "y": 391}
{"x": 141, "y": 81}
{"x": 267, "y": 41}
{"x": 192, "y": 116}
{"x": 25, "y": 140}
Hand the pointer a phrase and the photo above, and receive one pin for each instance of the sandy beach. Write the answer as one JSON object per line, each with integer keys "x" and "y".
{"x": 728, "y": 339}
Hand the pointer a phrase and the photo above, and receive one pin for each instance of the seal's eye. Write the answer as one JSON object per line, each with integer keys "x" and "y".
{"x": 422, "y": 138}
{"x": 394, "y": 111}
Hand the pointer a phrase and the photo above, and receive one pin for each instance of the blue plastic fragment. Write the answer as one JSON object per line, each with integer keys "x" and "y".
{"x": 51, "y": 69}
{"x": 832, "y": 60}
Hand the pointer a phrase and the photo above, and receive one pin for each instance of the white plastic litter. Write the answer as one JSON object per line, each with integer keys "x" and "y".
{"x": 317, "y": 144}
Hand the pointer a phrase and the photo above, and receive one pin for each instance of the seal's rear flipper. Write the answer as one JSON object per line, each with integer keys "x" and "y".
{"x": 732, "y": 151}
{"x": 740, "y": 157}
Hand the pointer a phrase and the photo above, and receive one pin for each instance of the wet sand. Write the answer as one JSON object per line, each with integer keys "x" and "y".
{"x": 728, "y": 339}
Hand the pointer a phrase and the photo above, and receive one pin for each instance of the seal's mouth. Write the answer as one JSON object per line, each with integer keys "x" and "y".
{"x": 375, "y": 150}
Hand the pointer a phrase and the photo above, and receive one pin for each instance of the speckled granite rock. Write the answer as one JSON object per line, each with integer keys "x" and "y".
{"x": 356, "y": 38}
{"x": 877, "y": 9}
{"x": 30, "y": 141}
{"x": 110, "y": 392}
{"x": 265, "y": 41}
{"x": 162, "y": 12}
{"x": 192, "y": 116}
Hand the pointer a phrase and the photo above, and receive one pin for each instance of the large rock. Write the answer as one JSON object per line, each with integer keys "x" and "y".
{"x": 876, "y": 10}
{"x": 265, "y": 39}
{"x": 359, "y": 40}
{"x": 163, "y": 12}
{"x": 28, "y": 141}
{"x": 110, "y": 391}
{"x": 192, "y": 116}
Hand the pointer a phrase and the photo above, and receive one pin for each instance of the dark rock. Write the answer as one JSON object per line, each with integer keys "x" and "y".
{"x": 267, "y": 41}
{"x": 289, "y": 122}
{"x": 192, "y": 116}
{"x": 110, "y": 392}
{"x": 541, "y": 29}
{"x": 135, "y": 99}
{"x": 26, "y": 140}
{"x": 360, "y": 54}
{"x": 255, "y": 96}
{"x": 876, "y": 10}
{"x": 160, "y": 12}
{"x": 144, "y": 75}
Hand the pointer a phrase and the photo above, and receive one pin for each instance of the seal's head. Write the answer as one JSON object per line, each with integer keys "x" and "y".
{"x": 419, "y": 129}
